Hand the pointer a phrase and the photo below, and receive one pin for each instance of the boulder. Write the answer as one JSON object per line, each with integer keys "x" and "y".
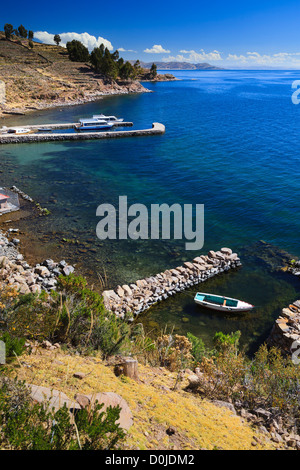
{"x": 54, "y": 398}
{"x": 108, "y": 399}
{"x": 226, "y": 251}
{"x": 42, "y": 271}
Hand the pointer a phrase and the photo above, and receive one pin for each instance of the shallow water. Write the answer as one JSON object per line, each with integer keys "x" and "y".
{"x": 231, "y": 143}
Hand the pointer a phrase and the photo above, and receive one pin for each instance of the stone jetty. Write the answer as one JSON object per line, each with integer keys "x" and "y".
{"x": 17, "y": 274}
{"x": 157, "y": 129}
{"x": 141, "y": 295}
{"x": 285, "y": 333}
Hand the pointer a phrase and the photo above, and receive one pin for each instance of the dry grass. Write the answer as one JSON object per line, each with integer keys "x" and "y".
{"x": 44, "y": 76}
{"x": 198, "y": 424}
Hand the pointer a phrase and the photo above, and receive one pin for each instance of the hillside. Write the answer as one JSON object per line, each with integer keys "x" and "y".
{"x": 44, "y": 76}
{"x": 156, "y": 408}
{"x": 180, "y": 66}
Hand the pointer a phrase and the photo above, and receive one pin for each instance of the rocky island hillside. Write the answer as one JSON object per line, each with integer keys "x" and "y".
{"x": 39, "y": 75}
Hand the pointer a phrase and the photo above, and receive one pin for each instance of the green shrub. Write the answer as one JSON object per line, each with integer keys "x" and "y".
{"x": 198, "y": 348}
{"x": 28, "y": 426}
{"x": 13, "y": 346}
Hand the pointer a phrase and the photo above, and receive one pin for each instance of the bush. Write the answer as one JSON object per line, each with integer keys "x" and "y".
{"x": 74, "y": 315}
{"x": 28, "y": 426}
{"x": 174, "y": 351}
{"x": 198, "y": 348}
{"x": 13, "y": 346}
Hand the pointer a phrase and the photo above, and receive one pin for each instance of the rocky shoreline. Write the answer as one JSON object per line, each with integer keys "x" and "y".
{"x": 124, "y": 89}
{"x": 141, "y": 295}
{"x": 17, "y": 274}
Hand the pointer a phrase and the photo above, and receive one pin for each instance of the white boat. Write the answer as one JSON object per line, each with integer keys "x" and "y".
{"x": 221, "y": 303}
{"x": 93, "y": 124}
{"x": 19, "y": 130}
{"x": 108, "y": 118}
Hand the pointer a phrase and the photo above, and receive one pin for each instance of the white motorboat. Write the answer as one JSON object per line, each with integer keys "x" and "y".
{"x": 113, "y": 119}
{"x": 19, "y": 131}
{"x": 221, "y": 303}
{"x": 93, "y": 124}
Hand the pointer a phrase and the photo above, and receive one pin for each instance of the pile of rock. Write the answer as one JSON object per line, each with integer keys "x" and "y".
{"x": 295, "y": 268}
{"x": 21, "y": 193}
{"x": 16, "y": 273}
{"x": 142, "y": 294}
{"x": 285, "y": 333}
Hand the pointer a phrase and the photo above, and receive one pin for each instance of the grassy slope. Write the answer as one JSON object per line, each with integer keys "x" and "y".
{"x": 198, "y": 423}
{"x": 43, "y": 76}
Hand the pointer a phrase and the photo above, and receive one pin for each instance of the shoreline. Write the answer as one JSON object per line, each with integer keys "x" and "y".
{"x": 27, "y": 109}
{"x": 135, "y": 87}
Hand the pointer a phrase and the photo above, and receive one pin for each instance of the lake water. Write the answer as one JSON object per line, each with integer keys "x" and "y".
{"x": 232, "y": 143}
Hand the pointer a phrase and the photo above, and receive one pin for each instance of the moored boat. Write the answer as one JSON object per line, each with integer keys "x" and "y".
{"x": 93, "y": 124}
{"x": 221, "y": 303}
{"x": 113, "y": 119}
{"x": 19, "y": 131}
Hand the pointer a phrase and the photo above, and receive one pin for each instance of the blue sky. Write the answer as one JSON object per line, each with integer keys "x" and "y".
{"x": 224, "y": 33}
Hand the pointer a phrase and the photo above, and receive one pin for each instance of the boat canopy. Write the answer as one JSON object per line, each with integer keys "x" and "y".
{"x": 90, "y": 121}
{"x": 213, "y": 299}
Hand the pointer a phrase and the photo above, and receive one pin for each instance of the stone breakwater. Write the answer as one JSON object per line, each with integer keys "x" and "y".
{"x": 141, "y": 295}
{"x": 17, "y": 274}
{"x": 294, "y": 268}
{"x": 156, "y": 129}
{"x": 286, "y": 329}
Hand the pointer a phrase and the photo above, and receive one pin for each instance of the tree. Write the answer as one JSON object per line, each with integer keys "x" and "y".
{"x": 153, "y": 70}
{"x": 104, "y": 62}
{"x": 30, "y": 35}
{"x": 57, "y": 39}
{"x": 127, "y": 71}
{"x": 30, "y": 44}
{"x": 22, "y": 31}
{"x": 8, "y": 29}
{"x": 77, "y": 51}
{"x": 137, "y": 67}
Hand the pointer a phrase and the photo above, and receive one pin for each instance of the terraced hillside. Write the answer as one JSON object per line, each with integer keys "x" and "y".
{"x": 44, "y": 76}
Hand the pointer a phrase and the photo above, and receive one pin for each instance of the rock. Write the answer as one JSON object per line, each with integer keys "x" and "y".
{"x": 127, "y": 290}
{"x": 225, "y": 404}
{"x": 79, "y": 375}
{"x": 226, "y": 251}
{"x": 42, "y": 271}
{"x": 36, "y": 289}
{"x": 263, "y": 413}
{"x": 108, "y": 399}
{"x": 193, "y": 380}
{"x": 54, "y": 398}
{"x": 67, "y": 270}
{"x": 120, "y": 291}
{"x": 170, "y": 431}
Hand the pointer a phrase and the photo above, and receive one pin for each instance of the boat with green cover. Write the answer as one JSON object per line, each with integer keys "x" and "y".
{"x": 221, "y": 303}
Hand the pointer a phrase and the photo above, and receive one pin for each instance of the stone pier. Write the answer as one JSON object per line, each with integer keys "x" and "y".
{"x": 7, "y": 138}
{"x": 141, "y": 295}
{"x": 286, "y": 330}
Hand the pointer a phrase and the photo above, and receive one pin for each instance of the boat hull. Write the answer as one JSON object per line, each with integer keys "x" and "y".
{"x": 236, "y": 305}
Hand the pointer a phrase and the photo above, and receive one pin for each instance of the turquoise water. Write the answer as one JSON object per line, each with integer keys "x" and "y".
{"x": 232, "y": 143}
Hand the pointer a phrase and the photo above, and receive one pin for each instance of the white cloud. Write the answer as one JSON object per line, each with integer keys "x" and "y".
{"x": 251, "y": 59}
{"x": 121, "y": 49}
{"x": 281, "y": 59}
{"x": 157, "y": 49}
{"x": 194, "y": 56}
{"x": 89, "y": 41}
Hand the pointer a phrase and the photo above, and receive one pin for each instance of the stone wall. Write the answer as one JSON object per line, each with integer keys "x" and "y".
{"x": 286, "y": 329}
{"x": 139, "y": 296}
